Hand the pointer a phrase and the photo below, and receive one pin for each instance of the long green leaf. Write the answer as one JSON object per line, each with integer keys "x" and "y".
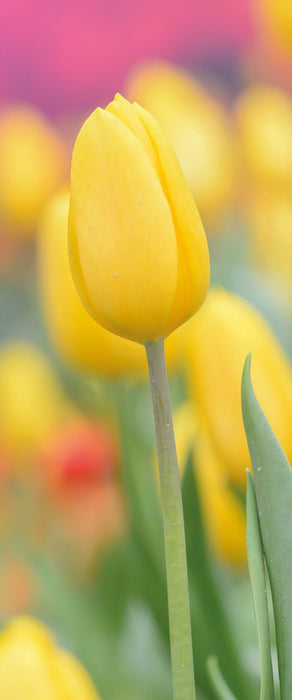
{"x": 258, "y": 582}
{"x": 273, "y": 485}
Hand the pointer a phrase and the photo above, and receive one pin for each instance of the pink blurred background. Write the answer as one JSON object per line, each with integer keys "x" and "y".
{"x": 71, "y": 54}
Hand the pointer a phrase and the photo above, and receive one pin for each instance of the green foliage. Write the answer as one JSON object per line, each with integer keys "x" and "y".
{"x": 273, "y": 485}
{"x": 259, "y": 589}
{"x": 220, "y": 687}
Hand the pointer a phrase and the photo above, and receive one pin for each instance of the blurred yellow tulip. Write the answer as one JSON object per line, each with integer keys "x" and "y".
{"x": 138, "y": 250}
{"x": 263, "y": 117}
{"x": 78, "y": 338}
{"x": 185, "y": 428}
{"x": 217, "y": 341}
{"x": 278, "y": 14}
{"x": 33, "y": 165}
{"x": 32, "y": 403}
{"x": 32, "y": 667}
{"x": 222, "y": 510}
{"x": 197, "y": 129}
{"x": 269, "y": 218}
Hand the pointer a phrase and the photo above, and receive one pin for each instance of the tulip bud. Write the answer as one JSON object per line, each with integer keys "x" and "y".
{"x": 138, "y": 251}
{"x": 33, "y": 165}
{"x": 197, "y": 129}
{"x": 264, "y": 125}
{"x": 76, "y": 336}
{"x": 217, "y": 343}
{"x": 33, "y": 667}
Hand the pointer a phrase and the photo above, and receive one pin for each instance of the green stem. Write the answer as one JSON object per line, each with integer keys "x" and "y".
{"x": 174, "y": 534}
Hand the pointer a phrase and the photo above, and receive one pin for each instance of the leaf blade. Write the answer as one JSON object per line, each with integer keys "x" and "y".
{"x": 273, "y": 485}
{"x": 258, "y": 583}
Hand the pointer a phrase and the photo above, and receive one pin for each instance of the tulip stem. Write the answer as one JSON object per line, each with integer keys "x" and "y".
{"x": 174, "y": 533}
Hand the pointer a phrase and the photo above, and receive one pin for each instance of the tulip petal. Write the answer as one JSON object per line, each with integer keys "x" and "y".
{"x": 77, "y": 274}
{"x": 218, "y": 340}
{"x": 74, "y": 681}
{"x": 25, "y": 671}
{"x": 192, "y": 247}
{"x": 126, "y": 245}
{"x": 127, "y": 114}
{"x": 224, "y": 514}
{"x": 32, "y": 666}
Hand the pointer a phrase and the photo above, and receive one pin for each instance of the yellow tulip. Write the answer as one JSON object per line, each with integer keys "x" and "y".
{"x": 264, "y": 125}
{"x": 33, "y": 165}
{"x": 222, "y": 510}
{"x": 138, "y": 251}
{"x": 78, "y": 338}
{"x": 269, "y": 218}
{"x": 32, "y": 403}
{"x": 197, "y": 129}
{"x": 32, "y": 667}
{"x": 217, "y": 342}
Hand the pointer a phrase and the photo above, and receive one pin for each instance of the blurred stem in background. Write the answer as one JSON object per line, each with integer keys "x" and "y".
{"x": 174, "y": 534}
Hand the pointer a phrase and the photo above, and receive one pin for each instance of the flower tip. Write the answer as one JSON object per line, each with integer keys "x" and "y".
{"x": 247, "y": 364}
{"x": 246, "y": 371}
{"x": 120, "y": 99}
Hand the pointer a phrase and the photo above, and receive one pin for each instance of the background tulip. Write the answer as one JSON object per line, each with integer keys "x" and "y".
{"x": 81, "y": 450}
{"x": 32, "y": 666}
{"x": 197, "y": 129}
{"x": 32, "y": 402}
{"x": 33, "y": 165}
{"x": 75, "y": 334}
{"x": 269, "y": 218}
{"x": 222, "y": 507}
{"x": 217, "y": 342}
{"x": 278, "y": 15}
{"x": 138, "y": 251}
{"x": 263, "y": 117}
